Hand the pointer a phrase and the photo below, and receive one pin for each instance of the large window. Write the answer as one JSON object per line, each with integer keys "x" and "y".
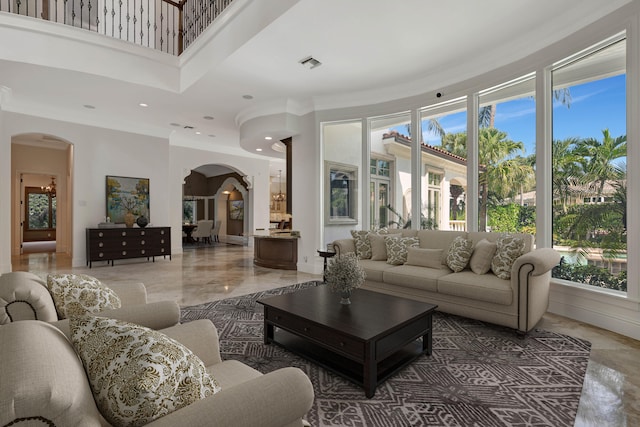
{"x": 444, "y": 166}
{"x": 41, "y": 209}
{"x": 589, "y": 166}
{"x": 390, "y": 171}
{"x": 507, "y": 157}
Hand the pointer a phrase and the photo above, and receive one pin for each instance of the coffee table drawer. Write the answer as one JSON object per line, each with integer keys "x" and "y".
{"x": 324, "y": 336}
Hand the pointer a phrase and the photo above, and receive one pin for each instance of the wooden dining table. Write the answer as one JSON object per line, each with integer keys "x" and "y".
{"x": 188, "y": 230}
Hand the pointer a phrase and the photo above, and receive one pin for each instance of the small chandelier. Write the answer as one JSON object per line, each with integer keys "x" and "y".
{"x": 51, "y": 188}
{"x": 280, "y": 196}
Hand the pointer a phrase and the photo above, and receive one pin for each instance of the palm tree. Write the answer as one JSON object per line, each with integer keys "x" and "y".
{"x": 598, "y": 157}
{"x": 455, "y": 143}
{"x": 566, "y": 170}
{"x": 499, "y": 176}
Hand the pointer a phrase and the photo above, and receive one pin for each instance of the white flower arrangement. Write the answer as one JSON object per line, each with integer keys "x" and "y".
{"x": 344, "y": 273}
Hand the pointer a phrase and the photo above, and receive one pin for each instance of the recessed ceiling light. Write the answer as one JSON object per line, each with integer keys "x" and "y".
{"x": 142, "y": 104}
{"x": 258, "y": 149}
{"x": 175, "y": 124}
{"x": 247, "y": 96}
{"x": 310, "y": 62}
{"x": 90, "y": 107}
{"x": 208, "y": 117}
{"x": 198, "y": 133}
{"x": 268, "y": 138}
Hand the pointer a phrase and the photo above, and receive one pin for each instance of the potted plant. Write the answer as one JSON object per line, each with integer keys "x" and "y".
{"x": 129, "y": 204}
{"x": 344, "y": 274}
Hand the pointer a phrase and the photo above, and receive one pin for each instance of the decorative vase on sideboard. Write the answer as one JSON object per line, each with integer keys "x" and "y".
{"x": 129, "y": 219}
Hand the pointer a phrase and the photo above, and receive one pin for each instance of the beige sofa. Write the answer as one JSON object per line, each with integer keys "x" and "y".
{"x": 24, "y": 296}
{"x": 44, "y": 383}
{"x": 518, "y": 302}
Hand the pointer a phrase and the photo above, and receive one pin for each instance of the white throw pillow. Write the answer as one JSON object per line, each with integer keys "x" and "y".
{"x": 483, "y": 253}
{"x": 137, "y": 374}
{"x": 78, "y": 294}
{"x": 431, "y": 258}
{"x": 508, "y": 249}
{"x": 459, "y": 254}
{"x": 397, "y": 248}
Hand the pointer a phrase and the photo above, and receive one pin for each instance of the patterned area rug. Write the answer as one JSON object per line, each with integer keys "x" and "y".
{"x": 478, "y": 374}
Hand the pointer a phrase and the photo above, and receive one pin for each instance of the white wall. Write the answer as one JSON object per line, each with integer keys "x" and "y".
{"x": 98, "y": 152}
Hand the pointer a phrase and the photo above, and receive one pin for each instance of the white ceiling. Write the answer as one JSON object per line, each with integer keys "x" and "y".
{"x": 371, "y": 51}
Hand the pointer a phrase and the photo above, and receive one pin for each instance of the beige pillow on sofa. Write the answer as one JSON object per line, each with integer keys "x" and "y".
{"x": 362, "y": 243}
{"x": 431, "y": 258}
{"x": 480, "y": 261}
{"x": 378, "y": 247}
{"x": 137, "y": 374}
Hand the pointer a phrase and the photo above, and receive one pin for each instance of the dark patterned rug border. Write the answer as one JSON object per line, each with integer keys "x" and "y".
{"x": 479, "y": 374}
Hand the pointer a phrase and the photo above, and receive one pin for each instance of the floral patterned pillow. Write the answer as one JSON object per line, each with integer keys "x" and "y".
{"x": 508, "y": 249}
{"x": 363, "y": 245}
{"x": 78, "y": 294}
{"x": 459, "y": 254}
{"x": 397, "y": 248}
{"x": 137, "y": 374}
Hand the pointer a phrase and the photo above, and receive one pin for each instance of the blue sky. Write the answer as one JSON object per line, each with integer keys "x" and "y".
{"x": 594, "y": 106}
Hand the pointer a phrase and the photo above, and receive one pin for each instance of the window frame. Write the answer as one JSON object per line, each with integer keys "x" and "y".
{"x": 37, "y": 190}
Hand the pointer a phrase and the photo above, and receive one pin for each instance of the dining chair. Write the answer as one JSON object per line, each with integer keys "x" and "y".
{"x": 203, "y": 230}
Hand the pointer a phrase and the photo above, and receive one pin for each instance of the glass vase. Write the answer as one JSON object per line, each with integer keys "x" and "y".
{"x": 345, "y": 297}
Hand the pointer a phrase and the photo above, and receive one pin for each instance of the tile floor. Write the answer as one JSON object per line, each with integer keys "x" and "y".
{"x": 611, "y": 392}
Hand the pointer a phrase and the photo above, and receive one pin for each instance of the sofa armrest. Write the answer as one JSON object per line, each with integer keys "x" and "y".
{"x": 130, "y": 293}
{"x": 530, "y": 278}
{"x": 199, "y": 336}
{"x": 157, "y": 315}
{"x": 24, "y": 296}
{"x": 344, "y": 246}
{"x": 279, "y": 398}
{"x": 539, "y": 260}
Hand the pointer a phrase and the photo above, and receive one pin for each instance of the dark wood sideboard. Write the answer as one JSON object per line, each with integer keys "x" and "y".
{"x": 109, "y": 244}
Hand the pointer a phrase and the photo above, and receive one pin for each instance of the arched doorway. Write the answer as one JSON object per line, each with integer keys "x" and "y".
{"x": 41, "y": 195}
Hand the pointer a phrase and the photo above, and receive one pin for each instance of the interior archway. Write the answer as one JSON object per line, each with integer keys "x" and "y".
{"x": 219, "y": 193}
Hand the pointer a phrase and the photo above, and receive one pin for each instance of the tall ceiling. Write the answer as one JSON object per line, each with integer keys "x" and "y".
{"x": 371, "y": 51}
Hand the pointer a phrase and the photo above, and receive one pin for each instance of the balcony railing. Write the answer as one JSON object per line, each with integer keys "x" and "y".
{"x": 166, "y": 25}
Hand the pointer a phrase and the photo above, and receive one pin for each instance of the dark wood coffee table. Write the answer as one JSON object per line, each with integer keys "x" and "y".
{"x": 365, "y": 342}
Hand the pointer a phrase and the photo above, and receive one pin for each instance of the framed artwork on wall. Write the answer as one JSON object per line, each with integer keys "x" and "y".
{"x": 127, "y": 195}
{"x": 236, "y": 209}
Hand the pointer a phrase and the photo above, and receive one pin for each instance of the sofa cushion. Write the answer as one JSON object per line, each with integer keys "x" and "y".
{"x": 136, "y": 374}
{"x": 412, "y": 276}
{"x": 467, "y": 284}
{"x": 78, "y": 294}
{"x": 362, "y": 243}
{"x": 508, "y": 249}
{"x": 480, "y": 262}
{"x": 397, "y": 248}
{"x": 459, "y": 253}
{"x": 373, "y": 269}
{"x": 42, "y": 376}
{"x": 431, "y": 258}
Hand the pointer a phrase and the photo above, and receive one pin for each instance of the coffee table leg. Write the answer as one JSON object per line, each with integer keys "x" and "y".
{"x": 427, "y": 339}
{"x": 268, "y": 328}
{"x": 370, "y": 371}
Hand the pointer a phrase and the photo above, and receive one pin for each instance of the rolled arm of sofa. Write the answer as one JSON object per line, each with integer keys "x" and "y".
{"x": 132, "y": 293}
{"x": 24, "y": 296}
{"x": 156, "y": 315}
{"x": 540, "y": 260}
{"x": 279, "y": 398}
{"x": 344, "y": 246}
{"x": 199, "y": 336}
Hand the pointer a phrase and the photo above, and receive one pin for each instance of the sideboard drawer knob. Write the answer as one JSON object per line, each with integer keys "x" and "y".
{"x": 124, "y": 233}
{"x": 124, "y": 252}
{"x": 124, "y": 243}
